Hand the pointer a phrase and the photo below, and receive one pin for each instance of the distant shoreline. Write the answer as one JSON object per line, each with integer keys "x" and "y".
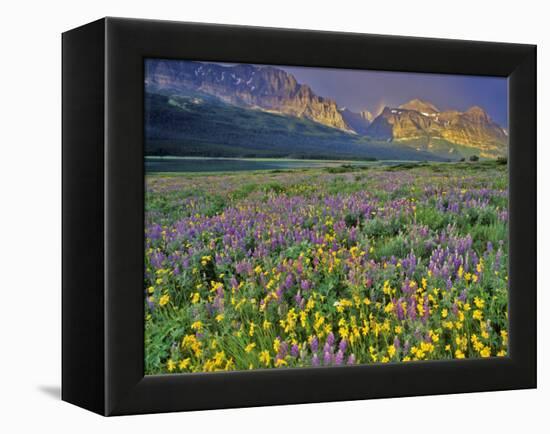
{"x": 269, "y": 159}
{"x": 175, "y": 165}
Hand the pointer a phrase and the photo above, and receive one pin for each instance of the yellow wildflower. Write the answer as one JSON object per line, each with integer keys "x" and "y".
{"x": 276, "y": 345}
{"x": 280, "y": 362}
{"x": 478, "y": 314}
{"x": 164, "y": 300}
{"x": 171, "y": 365}
{"x": 264, "y": 357}
{"x": 504, "y": 336}
{"x": 184, "y": 364}
{"x": 251, "y": 329}
{"x": 479, "y": 302}
{"x": 197, "y": 326}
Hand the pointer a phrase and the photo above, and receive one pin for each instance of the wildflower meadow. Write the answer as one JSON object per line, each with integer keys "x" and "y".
{"x": 325, "y": 266}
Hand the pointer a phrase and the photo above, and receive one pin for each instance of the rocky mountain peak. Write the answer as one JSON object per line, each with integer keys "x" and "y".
{"x": 367, "y": 115}
{"x": 420, "y": 106}
{"x": 260, "y": 87}
{"x": 477, "y": 112}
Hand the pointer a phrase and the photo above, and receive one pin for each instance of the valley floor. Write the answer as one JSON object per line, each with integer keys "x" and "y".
{"x": 325, "y": 266}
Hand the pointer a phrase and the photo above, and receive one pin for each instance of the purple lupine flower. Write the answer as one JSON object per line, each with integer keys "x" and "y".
{"x": 351, "y": 359}
{"x": 294, "y": 350}
{"x": 406, "y": 287}
{"x": 454, "y": 309}
{"x": 155, "y": 232}
{"x": 241, "y": 267}
{"x": 399, "y": 309}
{"x": 327, "y": 348}
{"x": 412, "y": 309}
{"x": 498, "y": 255}
{"x": 339, "y": 358}
{"x": 426, "y": 310}
{"x": 314, "y": 344}
{"x": 396, "y": 343}
{"x": 315, "y": 360}
{"x": 327, "y": 358}
{"x": 283, "y": 349}
{"x": 343, "y": 345}
{"x": 330, "y": 339}
{"x": 289, "y": 280}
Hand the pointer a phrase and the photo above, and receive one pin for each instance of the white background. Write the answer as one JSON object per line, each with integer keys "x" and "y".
{"x": 30, "y": 204}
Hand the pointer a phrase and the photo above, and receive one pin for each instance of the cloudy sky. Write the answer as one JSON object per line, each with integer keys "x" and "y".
{"x": 372, "y": 90}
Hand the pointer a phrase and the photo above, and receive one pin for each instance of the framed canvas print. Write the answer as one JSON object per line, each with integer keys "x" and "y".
{"x": 263, "y": 216}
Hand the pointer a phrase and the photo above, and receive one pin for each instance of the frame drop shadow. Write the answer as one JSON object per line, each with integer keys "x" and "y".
{"x": 53, "y": 392}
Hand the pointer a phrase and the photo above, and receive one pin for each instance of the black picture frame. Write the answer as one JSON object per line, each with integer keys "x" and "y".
{"x": 103, "y": 222}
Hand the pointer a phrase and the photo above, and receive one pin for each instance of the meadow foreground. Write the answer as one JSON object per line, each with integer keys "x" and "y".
{"x": 323, "y": 267}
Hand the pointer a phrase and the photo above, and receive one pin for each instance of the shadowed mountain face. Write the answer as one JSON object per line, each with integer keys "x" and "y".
{"x": 422, "y": 122}
{"x": 358, "y": 122}
{"x": 193, "y": 88}
{"x": 197, "y": 124}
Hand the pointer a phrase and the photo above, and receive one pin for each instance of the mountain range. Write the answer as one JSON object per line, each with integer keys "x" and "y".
{"x": 421, "y": 121}
{"x": 189, "y": 104}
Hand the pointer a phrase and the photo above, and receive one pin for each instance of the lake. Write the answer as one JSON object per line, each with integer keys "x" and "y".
{"x": 198, "y": 164}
